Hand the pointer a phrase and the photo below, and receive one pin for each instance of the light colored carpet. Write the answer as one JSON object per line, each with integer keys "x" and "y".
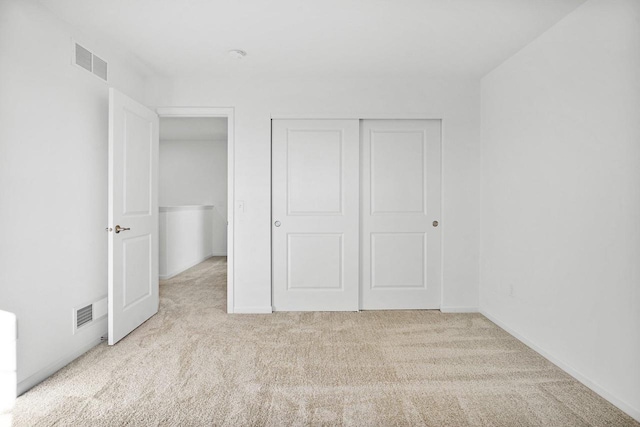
{"x": 192, "y": 364}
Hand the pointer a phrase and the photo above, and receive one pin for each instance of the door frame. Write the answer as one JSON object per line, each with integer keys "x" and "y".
{"x": 229, "y": 114}
{"x": 372, "y": 116}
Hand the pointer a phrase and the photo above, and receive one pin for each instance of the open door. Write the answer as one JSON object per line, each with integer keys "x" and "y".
{"x": 133, "y": 215}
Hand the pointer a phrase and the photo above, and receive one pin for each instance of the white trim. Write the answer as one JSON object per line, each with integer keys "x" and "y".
{"x": 459, "y": 309}
{"x": 254, "y": 310}
{"x": 195, "y": 111}
{"x": 362, "y": 116}
{"x": 44, "y": 373}
{"x": 443, "y": 224}
{"x": 623, "y": 406}
{"x": 186, "y": 208}
{"x": 192, "y": 139}
{"x": 229, "y": 113}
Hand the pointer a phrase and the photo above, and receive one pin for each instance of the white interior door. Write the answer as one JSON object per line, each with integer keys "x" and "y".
{"x": 315, "y": 215}
{"x": 400, "y": 245}
{"x": 133, "y": 215}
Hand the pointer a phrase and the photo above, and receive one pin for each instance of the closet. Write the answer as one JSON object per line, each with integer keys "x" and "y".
{"x": 355, "y": 214}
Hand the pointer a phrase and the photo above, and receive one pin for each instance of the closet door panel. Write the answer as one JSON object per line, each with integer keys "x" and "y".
{"x": 400, "y": 247}
{"x": 315, "y": 215}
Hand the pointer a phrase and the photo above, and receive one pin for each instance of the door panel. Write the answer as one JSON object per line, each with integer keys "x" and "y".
{"x": 400, "y": 248}
{"x": 314, "y": 187}
{"x": 137, "y": 151}
{"x": 314, "y": 261}
{"x": 133, "y": 205}
{"x": 316, "y": 205}
{"x": 397, "y": 172}
{"x": 136, "y": 264}
{"x": 398, "y": 260}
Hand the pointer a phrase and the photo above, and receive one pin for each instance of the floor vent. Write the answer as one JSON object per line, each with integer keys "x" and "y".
{"x": 84, "y": 315}
{"x": 84, "y": 58}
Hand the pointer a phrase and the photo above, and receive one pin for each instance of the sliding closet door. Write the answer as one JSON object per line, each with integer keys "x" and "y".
{"x": 315, "y": 215}
{"x": 400, "y": 242}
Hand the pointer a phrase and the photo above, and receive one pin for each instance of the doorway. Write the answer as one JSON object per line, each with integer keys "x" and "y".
{"x": 212, "y": 135}
{"x": 192, "y": 191}
{"x": 356, "y": 214}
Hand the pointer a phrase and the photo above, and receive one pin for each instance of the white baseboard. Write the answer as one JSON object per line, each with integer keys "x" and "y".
{"x": 219, "y": 254}
{"x": 253, "y": 310}
{"x": 184, "y": 268}
{"x": 459, "y": 309}
{"x": 623, "y": 406}
{"x": 54, "y": 367}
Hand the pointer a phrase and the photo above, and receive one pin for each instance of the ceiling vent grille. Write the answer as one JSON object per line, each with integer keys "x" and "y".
{"x": 84, "y": 315}
{"x": 84, "y": 58}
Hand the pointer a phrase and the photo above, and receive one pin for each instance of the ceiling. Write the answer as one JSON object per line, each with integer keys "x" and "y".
{"x": 351, "y": 38}
{"x": 193, "y": 129}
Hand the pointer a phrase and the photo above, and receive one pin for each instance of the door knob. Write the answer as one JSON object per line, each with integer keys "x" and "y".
{"x": 435, "y": 223}
{"x": 119, "y": 229}
{"x": 277, "y": 223}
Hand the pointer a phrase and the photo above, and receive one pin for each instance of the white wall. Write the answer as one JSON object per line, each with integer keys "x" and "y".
{"x": 53, "y": 183}
{"x": 185, "y": 238}
{"x": 195, "y": 173}
{"x": 8, "y": 354}
{"x": 255, "y": 99}
{"x": 561, "y": 196}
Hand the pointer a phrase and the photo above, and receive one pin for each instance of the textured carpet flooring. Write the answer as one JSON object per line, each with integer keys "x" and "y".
{"x": 192, "y": 364}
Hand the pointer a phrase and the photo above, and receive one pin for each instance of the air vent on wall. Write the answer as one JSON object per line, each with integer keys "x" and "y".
{"x": 90, "y": 62}
{"x": 84, "y": 315}
{"x": 83, "y": 57}
{"x": 87, "y": 314}
{"x": 99, "y": 68}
